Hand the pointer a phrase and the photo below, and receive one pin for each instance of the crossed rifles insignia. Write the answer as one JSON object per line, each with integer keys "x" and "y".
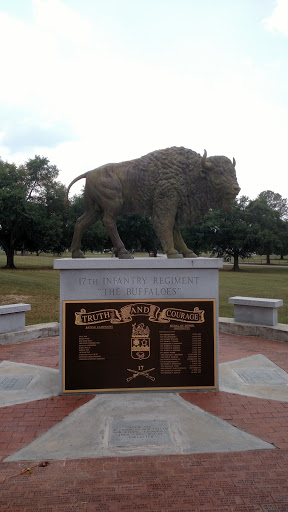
{"x": 137, "y": 373}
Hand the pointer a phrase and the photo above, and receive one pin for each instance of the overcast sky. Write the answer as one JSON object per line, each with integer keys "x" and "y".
{"x": 87, "y": 82}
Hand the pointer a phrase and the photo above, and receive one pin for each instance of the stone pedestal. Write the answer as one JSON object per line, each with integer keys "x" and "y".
{"x": 169, "y": 286}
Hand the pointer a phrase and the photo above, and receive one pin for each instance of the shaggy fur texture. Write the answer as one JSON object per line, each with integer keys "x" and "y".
{"x": 158, "y": 175}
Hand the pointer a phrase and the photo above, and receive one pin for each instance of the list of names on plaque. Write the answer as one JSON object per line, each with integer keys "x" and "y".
{"x": 170, "y": 353}
{"x": 87, "y": 349}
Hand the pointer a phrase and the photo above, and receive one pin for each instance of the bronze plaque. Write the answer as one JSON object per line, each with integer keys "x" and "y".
{"x": 125, "y": 345}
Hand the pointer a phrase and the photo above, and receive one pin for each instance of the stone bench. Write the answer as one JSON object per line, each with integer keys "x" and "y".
{"x": 253, "y": 310}
{"x": 12, "y": 317}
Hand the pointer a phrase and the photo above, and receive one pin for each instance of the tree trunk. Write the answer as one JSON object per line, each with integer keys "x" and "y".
{"x": 236, "y": 267}
{"x": 268, "y": 259}
{"x": 10, "y": 258}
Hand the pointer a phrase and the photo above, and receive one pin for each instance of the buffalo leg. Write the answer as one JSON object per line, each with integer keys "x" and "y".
{"x": 163, "y": 224}
{"x": 110, "y": 224}
{"x": 82, "y": 223}
{"x": 181, "y": 246}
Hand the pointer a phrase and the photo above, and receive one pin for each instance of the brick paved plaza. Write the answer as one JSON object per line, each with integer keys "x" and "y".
{"x": 215, "y": 482}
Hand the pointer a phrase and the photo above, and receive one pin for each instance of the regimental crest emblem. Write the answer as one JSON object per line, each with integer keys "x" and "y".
{"x": 140, "y": 341}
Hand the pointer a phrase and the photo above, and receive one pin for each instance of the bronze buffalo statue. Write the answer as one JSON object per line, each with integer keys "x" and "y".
{"x": 174, "y": 186}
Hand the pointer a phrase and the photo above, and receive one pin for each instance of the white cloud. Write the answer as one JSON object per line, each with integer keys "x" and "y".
{"x": 30, "y": 135}
{"x": 278, "y": 21}
{"x": 62, "y": 21}
{"x": 94, "y": 101}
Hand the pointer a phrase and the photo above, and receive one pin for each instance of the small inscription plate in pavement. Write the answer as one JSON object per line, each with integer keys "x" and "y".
{"x": 265, "y": 376}
{"x": 13, "y": 383}
{"x": 139, "y": 433}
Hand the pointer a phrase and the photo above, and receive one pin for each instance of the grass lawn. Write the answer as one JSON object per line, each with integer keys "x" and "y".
{"x": 252, "y": 281}
{"x": 35, "y": 282}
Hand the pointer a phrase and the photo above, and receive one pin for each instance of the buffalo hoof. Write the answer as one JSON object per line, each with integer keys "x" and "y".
{"x": 78, "y": 254}
{"x": 190, "y": 255}
{"x": 126, "y": 256}
{"x": 174, "y": 255}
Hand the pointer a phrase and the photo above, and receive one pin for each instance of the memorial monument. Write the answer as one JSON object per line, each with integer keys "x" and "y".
{"x": 145, "y": 323}
{"x": 174, "y": 186}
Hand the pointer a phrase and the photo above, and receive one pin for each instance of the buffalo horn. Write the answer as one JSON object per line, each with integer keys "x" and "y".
{"x": 234, "y": 162}
{"x": 204, "y": 164}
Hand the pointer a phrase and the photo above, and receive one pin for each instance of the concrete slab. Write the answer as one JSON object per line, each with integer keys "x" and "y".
{"x": 20, "y": 383}
{"x": 254, "y": 376}
{"x": 29, "y": 333}
{"x": 278, "y": 332}
{"x": 88, "y": 432}
{"x": 137, "y": 263}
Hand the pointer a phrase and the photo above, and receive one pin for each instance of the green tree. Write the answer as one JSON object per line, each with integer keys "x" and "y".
{"x": 46, "y": 222}
{"x": 269, "y": 227}
{"x": 283, "y": 234}
{"x": 226, "y": 233}
{"x": 28, "y": 219}
{"x": 276, "y": 202}
{"x": 12, "y": 208}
